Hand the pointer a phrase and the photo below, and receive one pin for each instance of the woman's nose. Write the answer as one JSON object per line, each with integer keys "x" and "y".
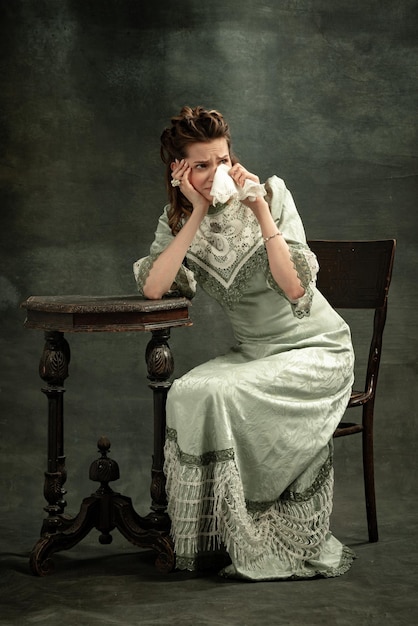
{"x": 212, "y": 172}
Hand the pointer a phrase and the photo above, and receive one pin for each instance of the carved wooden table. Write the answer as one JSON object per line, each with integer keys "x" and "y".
{"x": 104, "y": 509}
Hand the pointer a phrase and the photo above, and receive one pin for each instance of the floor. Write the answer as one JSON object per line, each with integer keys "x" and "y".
{"x": 117, "y": 584}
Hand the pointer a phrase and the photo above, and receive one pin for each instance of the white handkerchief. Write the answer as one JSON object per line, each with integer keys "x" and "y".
{"x": 224, "y": 188}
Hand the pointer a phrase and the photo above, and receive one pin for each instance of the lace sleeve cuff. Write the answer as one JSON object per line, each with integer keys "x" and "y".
{"x": 184, "y": 284}
{"x": 307, "y": 267}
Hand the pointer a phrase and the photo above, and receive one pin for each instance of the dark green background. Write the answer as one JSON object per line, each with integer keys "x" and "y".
{"x": 321, "y": 93}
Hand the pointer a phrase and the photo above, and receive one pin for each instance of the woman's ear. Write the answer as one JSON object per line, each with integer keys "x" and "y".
{"x": 174, "y": 164}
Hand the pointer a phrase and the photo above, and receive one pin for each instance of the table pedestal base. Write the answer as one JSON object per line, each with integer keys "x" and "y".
{"x": 104, "y": 510}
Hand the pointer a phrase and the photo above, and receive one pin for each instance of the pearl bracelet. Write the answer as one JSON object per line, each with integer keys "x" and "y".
{"x": 266, "y": 239}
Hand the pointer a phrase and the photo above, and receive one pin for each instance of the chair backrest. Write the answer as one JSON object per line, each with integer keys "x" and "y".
{"x": 357, "y": 275}
{"x": 354, "y": 274}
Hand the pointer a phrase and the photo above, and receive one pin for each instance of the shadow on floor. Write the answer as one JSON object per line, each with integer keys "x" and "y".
{"x": 96, "y": 585}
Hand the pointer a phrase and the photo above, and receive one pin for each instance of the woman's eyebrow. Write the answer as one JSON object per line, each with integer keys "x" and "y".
{"x": 207, "y": 161}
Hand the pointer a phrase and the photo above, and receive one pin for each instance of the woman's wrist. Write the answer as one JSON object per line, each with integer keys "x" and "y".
{"x": 200, "y": 209}
{"x": 261, "y": 210}
{"x": 276, "y": 234}
{"x": 267, "y": 224}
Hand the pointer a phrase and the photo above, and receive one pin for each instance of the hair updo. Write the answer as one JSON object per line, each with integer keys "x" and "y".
{"x": 192, "y": 125}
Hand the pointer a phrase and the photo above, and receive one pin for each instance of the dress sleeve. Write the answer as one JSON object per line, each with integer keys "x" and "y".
{"x": 184, "y": 284}
{"x": 287, "y": 218}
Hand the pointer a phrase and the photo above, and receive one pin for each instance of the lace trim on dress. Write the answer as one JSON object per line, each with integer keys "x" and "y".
{"x": 184, "y": 282}
{"x": 306, "y": 266}
{"x": 215, "y": 456}
{"x": 142, "y": 268}
{"x": 302, "y": 496}
{"x": 215, "y": 514}
{"x": 298, "y": 496}
{"x": 346, "y": 560}
{"x": 225, "y": 251}
{"x": 231, "y": 294}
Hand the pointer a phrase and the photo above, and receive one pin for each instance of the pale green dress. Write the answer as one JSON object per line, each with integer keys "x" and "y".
{"x": 248, "y": 454}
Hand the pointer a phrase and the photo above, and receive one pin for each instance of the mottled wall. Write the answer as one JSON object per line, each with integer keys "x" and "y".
{"x": 321, "y": 93}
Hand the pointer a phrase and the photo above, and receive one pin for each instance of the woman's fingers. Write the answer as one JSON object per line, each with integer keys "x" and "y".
{"x": 240, "y": 174}
{"x": 180, "y": 175}
{"x": 179, "y": 169}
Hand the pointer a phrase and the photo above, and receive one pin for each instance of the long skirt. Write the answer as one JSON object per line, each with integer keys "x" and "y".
{"x": 248, "y": 463}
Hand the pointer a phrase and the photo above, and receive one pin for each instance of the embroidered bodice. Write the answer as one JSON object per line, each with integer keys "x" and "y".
{"x": 228, "y": 250}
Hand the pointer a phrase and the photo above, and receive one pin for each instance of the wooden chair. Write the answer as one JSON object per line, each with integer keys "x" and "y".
{"x": 357, "y": 275}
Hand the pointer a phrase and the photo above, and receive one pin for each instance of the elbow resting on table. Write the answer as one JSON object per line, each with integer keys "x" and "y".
{"x": 153, "y": 292}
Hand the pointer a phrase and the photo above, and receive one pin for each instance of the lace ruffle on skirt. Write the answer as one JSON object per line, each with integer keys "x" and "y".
{"x": 285, "y": 540}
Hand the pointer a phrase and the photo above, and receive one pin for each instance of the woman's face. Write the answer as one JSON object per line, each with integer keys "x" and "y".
{"x": 203, "y": 159}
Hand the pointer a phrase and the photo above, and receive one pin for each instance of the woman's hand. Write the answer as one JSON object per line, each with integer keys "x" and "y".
{"x": 181, "y": 170}
{"x": 239, "y": 175}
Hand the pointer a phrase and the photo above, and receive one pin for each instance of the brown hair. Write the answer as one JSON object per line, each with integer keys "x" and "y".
{"x": 192, "y": 125}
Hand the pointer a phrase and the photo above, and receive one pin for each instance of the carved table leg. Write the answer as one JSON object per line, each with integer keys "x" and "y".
{"x": 160, "y": 364}
{"x": 53, "y": 369}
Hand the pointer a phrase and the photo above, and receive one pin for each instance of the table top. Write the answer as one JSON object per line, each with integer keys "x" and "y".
{"x": 81, "y": 313}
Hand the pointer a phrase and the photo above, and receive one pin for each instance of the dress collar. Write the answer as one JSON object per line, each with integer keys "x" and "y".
{"x": 218, "y": 208}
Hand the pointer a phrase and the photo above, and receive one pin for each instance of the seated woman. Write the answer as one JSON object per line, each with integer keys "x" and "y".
{"x": 248, "y": 454}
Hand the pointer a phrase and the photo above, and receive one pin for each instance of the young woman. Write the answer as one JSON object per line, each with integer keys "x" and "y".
{"x": 248, "y": 455}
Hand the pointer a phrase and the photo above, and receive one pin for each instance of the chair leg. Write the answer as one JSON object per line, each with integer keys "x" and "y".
{"x": 368, "y": 472}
